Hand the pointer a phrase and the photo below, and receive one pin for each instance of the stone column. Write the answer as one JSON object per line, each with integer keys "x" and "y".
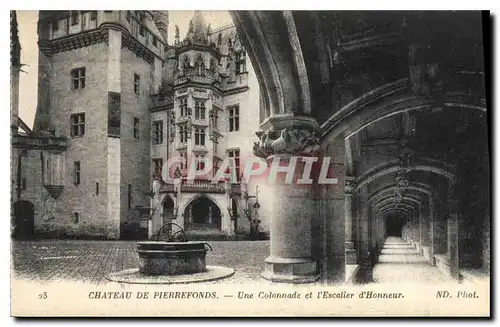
{"x": 331, "y": 213}
{"x": 373, "y": 234}
{"x": 453, "y": 220}
{"x": 350, "y": 251}
{"x": 431, "y": 225}
{"x": 424, "y": 228}
{"x": 410, "y": 227}
{"x": 380, "y": 232}
{"x": 287, "y": 144}
{"x": 418, "y": 229}
{"x": 440, "y": 225}
{"x": 364, "y": 232}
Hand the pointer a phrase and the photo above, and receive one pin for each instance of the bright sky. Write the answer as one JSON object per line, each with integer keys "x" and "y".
{"x": 29, "y": 53}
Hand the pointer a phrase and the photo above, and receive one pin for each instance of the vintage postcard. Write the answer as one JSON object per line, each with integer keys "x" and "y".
{"x": 250, "y": 163}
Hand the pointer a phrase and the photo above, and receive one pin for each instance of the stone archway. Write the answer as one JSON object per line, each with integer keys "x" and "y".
{"x": 24, "y": 219}
{"x": 299, "y": 71}
{"x": 168, "y": 210}
{"x": 202, "y": 213}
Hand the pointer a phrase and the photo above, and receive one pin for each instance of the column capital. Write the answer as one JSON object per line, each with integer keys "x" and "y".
{"x": 350, "y": 184}
{"x": 288, "y": 135}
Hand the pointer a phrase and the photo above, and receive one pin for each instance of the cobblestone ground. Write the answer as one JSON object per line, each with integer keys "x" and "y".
{"x": 399, "y": 262}
{"x": 47, "y": 261}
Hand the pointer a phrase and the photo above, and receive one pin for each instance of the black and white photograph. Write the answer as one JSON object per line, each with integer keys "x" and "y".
{"x": 250, "y": 163}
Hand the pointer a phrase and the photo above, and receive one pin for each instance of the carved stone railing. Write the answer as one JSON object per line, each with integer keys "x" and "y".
{"x": 195, "y": 186}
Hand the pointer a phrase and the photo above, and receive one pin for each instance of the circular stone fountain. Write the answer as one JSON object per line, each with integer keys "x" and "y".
{"x": 170, "y": 262}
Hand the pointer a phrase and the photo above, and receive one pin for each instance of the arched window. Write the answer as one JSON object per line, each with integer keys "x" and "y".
{"x": 200, "y": 66}
{"x": 202, "y": 110}
{"x": 183, "y": 106}
{"x": 214, "y": 66}
{"x": 240, "y": 62}
{"x": 185, "y": 65}
{"x": 200, "y": 163}
{"x": 199, "y": 109}
{"x": 199, "y": 136}
{"x": 202, "y": 212}
{"x": 183, "y": 131}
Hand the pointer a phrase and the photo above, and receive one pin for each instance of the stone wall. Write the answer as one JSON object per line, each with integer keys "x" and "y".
{"x": 135, "y": 153}
{"x": 90, "y": 149}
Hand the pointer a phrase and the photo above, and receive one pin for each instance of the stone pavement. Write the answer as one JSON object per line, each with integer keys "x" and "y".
{"x": 47, "y": 261}
{"x": 399, "y": 262}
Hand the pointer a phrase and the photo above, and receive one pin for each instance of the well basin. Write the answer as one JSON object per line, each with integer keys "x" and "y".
{"x": 171, "y": 258}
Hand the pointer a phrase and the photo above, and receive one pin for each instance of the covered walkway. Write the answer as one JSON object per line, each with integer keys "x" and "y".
{"x": 394, "y": 104}
{"x": 399, "y": 261}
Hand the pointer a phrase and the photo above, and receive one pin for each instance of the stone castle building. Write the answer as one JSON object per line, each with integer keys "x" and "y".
{"x": 115, "y": 102}
{"x": 393, "y": 104}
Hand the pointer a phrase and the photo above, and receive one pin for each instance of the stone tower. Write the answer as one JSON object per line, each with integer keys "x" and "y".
{"x": 96, "y": 72}
{"x": 205, "y": 116}
{"x": 161, "y": 20}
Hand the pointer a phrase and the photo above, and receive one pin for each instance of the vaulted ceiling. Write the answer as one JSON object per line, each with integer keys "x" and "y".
{"x": 377, "y": 79}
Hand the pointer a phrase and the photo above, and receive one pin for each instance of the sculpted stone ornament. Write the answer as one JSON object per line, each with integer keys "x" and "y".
{"x": 349, "y": 185}
{"x": 406, "y": 156}
{"x": 286, "y": 141}
{"x": 425, "y": 76}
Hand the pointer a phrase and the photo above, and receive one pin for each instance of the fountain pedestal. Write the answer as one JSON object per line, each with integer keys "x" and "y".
{"x": 171, "y": 258}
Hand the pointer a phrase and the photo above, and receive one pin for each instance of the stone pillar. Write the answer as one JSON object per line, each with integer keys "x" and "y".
{"x": 331, "y": 203}
{"x": 287, "y": 143}
{"x": 431, "y": 225}
{"x": 411, "y": 238}
{"x": 453, "y": 220}
{"x": 373, "y": 234}
{"x": 364, "y": 232}
{"x": 380, "y": 232}
{"x": 418, "y": 229}
{"x": 425, "y": 237}
{"x": 440, "y": 225}
{"x": 350, "y": 251}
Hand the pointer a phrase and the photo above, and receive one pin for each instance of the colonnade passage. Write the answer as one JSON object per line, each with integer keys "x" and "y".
{"x": 394, "y": 105}
{"x": 400, "y": 261}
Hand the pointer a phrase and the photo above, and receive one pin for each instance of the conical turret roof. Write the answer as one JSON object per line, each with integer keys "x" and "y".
{"x": 198, "y": 29}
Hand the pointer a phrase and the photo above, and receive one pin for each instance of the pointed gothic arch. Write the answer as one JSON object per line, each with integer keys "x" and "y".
{"x": 200, "y": 65}
{"x": 185, "y": 64}
{"x": 202, "y": 212}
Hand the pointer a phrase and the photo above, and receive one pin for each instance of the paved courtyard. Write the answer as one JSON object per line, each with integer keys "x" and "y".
{"x": 47, "y": 261}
